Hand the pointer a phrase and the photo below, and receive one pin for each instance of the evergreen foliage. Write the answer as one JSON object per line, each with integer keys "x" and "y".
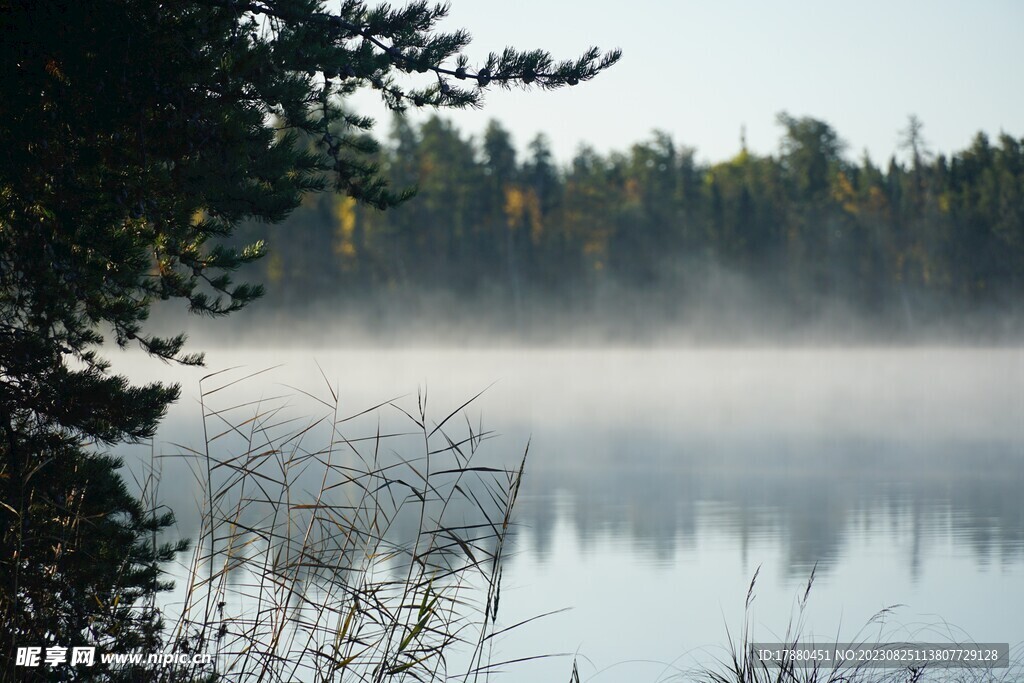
{"x": 135, "y": 136}
{"x": 919, "y": 240}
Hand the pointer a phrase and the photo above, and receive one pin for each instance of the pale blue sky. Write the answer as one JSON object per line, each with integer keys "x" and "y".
{"x": 701, "y": 70}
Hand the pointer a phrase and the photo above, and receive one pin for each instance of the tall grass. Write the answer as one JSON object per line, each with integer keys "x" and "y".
{"x": 332, "y": 549}
{"x": 742, "y": 665}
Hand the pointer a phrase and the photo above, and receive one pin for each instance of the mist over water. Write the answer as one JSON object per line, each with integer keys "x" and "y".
{"x": 660, "y": 479}
{"x": 735, "y": 315}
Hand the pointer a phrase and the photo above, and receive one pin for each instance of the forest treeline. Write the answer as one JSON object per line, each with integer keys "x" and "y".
{"x": 652, "y": 234}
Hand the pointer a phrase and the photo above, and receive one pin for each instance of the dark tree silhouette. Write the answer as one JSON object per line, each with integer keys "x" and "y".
{"x": 135, "y": 136}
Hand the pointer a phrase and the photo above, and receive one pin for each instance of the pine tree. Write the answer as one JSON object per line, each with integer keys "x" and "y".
{"x": 135, "y": 137}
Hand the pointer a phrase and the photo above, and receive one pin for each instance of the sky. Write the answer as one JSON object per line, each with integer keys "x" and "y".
{"x": 705, "y": 71}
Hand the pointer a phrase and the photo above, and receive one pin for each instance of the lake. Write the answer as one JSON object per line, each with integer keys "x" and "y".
{"x": 659, "y": 480}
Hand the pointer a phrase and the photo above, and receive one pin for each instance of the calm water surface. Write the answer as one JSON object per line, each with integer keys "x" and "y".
{"x": 659, "y": 481}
